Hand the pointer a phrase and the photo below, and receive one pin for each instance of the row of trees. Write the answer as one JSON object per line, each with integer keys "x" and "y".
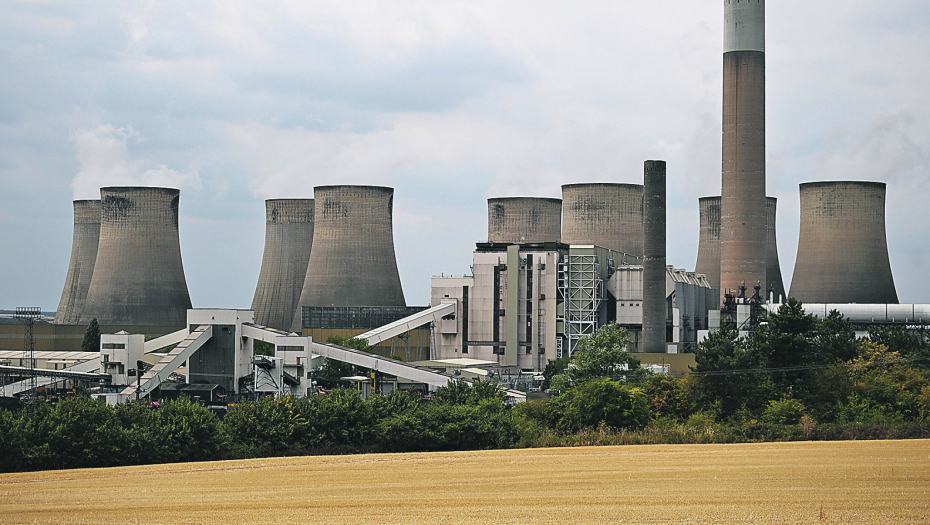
{"x": 797, "y": 373}
{"x": 80, "y": 432}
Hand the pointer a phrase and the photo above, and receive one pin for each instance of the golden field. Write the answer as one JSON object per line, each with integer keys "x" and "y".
{"x": 807, "y": 482}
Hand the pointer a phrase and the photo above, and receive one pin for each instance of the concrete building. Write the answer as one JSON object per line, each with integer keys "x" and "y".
{"x": 83, "y": 257}
{"x": 352, "y": 262}
{"x": 743, "y": 234}
{"x": 842, "y": 249}
{"x": 526, "y": 304}
{"x": 138, "y": 276}
{"x": 524, "y": 220}
{"x": 603, "y": 214}
{"x": 288, "y": 239}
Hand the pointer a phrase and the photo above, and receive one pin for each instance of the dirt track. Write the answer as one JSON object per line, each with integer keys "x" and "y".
{"x": 844, "y": 482}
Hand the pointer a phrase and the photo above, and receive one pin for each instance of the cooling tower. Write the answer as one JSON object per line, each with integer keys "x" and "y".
{"x": 83, "y": 256}
{"x": 772, "y": 267}
{"x": 708, "y": 260}
{"x": 352, "y": 262}
{"x": 138, "y": 277}
{"x": 654, "y": 271}
{"x": 288, "y": 238}
{"x": 742, "y": 207}
{"x": 606, "y": 215}
{"x": 524, "y": 220}
{"x": 842, "y": 251}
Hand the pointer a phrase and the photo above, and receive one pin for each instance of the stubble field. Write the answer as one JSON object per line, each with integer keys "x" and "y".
{"x": 808, "y": 482}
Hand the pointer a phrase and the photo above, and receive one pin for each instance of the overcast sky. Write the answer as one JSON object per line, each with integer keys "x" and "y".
{"x": 449, "y": 102}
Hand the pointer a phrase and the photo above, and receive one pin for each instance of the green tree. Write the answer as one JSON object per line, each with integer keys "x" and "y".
{"x": 598, "y": 401}
{"x": 91, "y": 341}
{"x": 601, "y": 354}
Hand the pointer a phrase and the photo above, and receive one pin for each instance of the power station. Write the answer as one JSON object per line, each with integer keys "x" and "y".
{"x": 551, "y": 272}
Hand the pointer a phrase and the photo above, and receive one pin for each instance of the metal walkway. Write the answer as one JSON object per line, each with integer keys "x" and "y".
{"x": 174, "y": 359}
{"x": 430, "y": 315}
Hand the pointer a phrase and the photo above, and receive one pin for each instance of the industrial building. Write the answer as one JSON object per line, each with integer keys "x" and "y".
{"x": 842, "y": 251}
{"x": 562, "y": 293}
{"x": 288, "y": 240}
{"x": 138, "y": 276}
{"x": 526, "y": 303}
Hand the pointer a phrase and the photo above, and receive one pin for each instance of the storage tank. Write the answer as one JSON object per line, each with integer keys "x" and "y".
{"x": 842, "y": 250}
{"x": 524, "y": 220}
{"x": 288, "y": 239}
{"x": 83, "y": 257}
{"x": 604, "y": 214}
{"x": 655, "y": 311}
{"x": 138, "y": 276}
{"x": 708, "y": 259}
{"x": 743, "y": 234}
{"x": 352, "y": 261}
{"x": 772, "y": 267}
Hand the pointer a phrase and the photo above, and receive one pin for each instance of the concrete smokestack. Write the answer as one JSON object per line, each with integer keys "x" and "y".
{"x": 604, "y": 214}
{"x": 708, "y": 260}
{"x": 743, "y": 233}
{"x": 352, "y": 262}
{"x": 842, "y": 250}
{"x": 138, "y": 276}
{"x": 772, "y": 267}
{"x": 288, "y": 238}
{"x": 524, "y": 220}
{"x": 654, "y": 271}
{"x": 83, "y": 257}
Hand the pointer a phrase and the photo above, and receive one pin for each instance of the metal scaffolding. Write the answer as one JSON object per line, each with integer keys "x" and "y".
{"x": 582, "y": 292}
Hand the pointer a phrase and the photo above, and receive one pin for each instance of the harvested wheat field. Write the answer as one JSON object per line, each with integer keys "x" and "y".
{"x": 810, "y": 482}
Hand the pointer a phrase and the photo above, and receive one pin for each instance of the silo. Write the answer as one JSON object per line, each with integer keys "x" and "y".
{"x": 708, "y": 260}
{"x": 288, "y": 238}
{"x": 604, "y": 214}
{"x": 83, "y": 257}
{"x": 654, "y": 256}
{"x": 352, "y": 262}
{"x": 524, "y": 220}
{"x": 138, "y": 276}
{"x": 842, "y": 251}
{"x": 742, "y": 206}
{"x": 772, "y": 267}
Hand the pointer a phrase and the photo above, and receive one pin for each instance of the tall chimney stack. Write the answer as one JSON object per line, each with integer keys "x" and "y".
{"x": 743, "y": 234}
{"x": 654, "y": 271}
